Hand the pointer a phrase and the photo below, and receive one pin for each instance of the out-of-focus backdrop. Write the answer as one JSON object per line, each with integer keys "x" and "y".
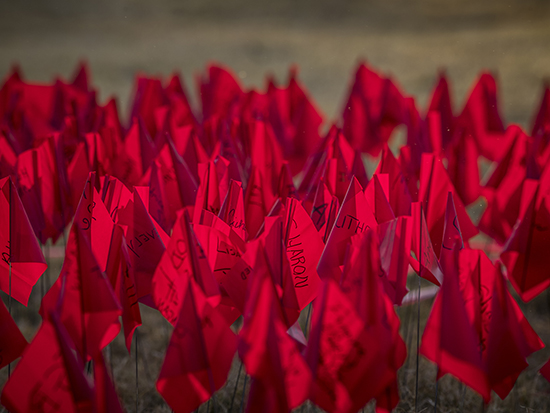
{"x": 409, "y": 39}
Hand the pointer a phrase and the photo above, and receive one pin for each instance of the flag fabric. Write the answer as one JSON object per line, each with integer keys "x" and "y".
{"x": 355, "y": 216}
{"x": 199, "y": 354}
{"x": 88, "y": 307}
{"x": 49, "y": 377}
{"x": 449, "y": 338}
{"x": 22, "y": 262}
{"x": 12, "y": 342}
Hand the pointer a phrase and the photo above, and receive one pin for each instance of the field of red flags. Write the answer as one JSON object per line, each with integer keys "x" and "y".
{"x": 250, "y": 235}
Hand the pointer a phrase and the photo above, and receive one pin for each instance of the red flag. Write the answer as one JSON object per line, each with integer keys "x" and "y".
{"x": 94, "y": 220}
{"x": 324, "y": 210}
{"x": 145, "y": 244}
{"x": 48, "y": 377}
{"x": 304, "y": 247}
{"x": 342, "y": 355}
{"x": 399, "y": 197}
{"x": 223, "y": 248}
{"x": 451, "y": 234}
{"x": 77, "y": 174}
{"x": 12, "y": 342}
{"x": 286, "y": 187}
{"x": 463, "y": 167}
{"x": 266, "y": 256}
{"x": 434, "y": 187}
{"x": 43, "y": 169}
{"x": 355, "y": 216}
{"x": 199, "y": 355}
{"x": 295, "y": 120}
{"x": 123, "y": 282}
{"x": 373, "y": 109}
{"x": 105, "y": 393}
{"x": 377, "y": 197}
{"x": 219, "y": 91}
{"x": 545, "y": 371}
{"x": 358, "y": 170}
{"x": 184, "y": 258}
{"x": 524, "y": 254}
{"x": 18, "y": 246}
{"x": 395, "y": 243}
{"x": 139, "y": 151}
{"x": 505, "y": 356}
{"x": 87, "y": 305}
{"x": 8, "y": 157}
{"x": 232, "y": 209}
{"x": 158, "y": 199}
{"x": 542, "y": 119}
{"x": 280, "y": 376}
{"x": 442, "y": 104}
{"x": 257, "y": 201}
{"x": 361, "y": 282}
{"x": 423, "y": 248}
{"x": 213, "y": 187}
{"x": 481, "y": 117}
{"x": 483, "y": 288}
{"x": 449, "y": 338}
{"x": 268, "y": 353}
{"x": 503, "y": 188}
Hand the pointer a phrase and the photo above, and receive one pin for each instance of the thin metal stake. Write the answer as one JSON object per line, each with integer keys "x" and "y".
{"x": 307, "y": 319}
{"x": 137, "y": 375}
{"x": 418, "y": 313}
{"x": 244, "y": 391}
{"x": 436, "y": 388}
{"x": 9, "y": 308}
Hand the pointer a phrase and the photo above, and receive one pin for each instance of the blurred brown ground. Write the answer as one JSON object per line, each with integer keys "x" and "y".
{"x": 410, "y": 40}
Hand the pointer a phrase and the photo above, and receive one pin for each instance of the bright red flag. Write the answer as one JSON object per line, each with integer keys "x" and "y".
{"x": 434, "y": 187}
{"x": 123, "y": 283}
{"x": 342, "y": 355}
{"x": 395, "y": 243}
{"x": 377, "y": 197}
{"x": 362, "y": 284}
{"x": 232, "y": 209}
{"x": 422, "y": 247}
{"x": 399, "y": 197}
{"x": 184, "y": 258}
{"x": 304, "y": 247}
{"x": 354, "y": 217}
{"x": 145, "y": 244}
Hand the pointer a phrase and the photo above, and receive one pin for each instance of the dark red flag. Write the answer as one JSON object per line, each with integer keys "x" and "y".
{"x": 199, "y": 355}
{"x": 18, "y": 246}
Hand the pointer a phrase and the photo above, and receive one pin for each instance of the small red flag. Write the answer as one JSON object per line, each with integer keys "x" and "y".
{"x": 449, "y": 338}
{"x": 18, "y": 246}
{"x": 12, "y": 342}
{"x": 87, "y": 304}
{"x": 48, "y": 377}
{"x": 199, "y": 354}
{"x": 354, "y": 217}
